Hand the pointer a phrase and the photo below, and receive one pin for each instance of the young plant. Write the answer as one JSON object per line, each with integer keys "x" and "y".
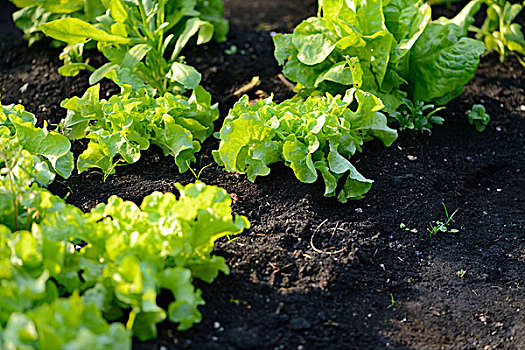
{"x": 479, "y": 117}
{"x": 498, "y": 31}
{"x": 443, "y": 226}
{"x": 146, "y": 37}
{"x": 393, "y": 44}
{"x": 313, "y": 136}
{"x": 412, "y": 116}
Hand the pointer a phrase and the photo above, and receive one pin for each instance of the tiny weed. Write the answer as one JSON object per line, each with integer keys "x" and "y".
{"x": 404, "y": 227}
{"x": 443, "y": 226}
{"x": 392, "y": 303}
{"x": 198, "y": 175}
{"x": 417, "y": 116}
{"x": 232, "y": 50}
{"x": 461, "y": 273}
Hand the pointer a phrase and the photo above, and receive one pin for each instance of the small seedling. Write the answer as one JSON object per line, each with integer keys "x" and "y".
{"x": 392, "y": 302}
{"x": 404, "y": 227}
{"x": 479, "y": 117}
{"x": 461, "y": 273}
{"x": 198, "y": 175}
{"x": 440, "y": 226}
{"x": 417, "y": 116}
{"x": 232, "y": 50}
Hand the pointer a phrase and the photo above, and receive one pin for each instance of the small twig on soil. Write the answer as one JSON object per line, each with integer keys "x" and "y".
{"x": 256, "y": 81}
{"x": 286, "y": 82}
{"x": 333, "y": 232}
{"x": 319, "y": 250}
{"x": 409, "y": 204}
{"x": 277, "y": 269}
{"x": 321, "y": 224}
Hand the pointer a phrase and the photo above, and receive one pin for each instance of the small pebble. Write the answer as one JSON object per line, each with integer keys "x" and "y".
{"x": 24, "y": 88}
{"x": 359, "y": 210}
{"x": 412, "y": 158}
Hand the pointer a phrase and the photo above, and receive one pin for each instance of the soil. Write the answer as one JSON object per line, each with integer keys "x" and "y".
{"x": 312, "y": 273}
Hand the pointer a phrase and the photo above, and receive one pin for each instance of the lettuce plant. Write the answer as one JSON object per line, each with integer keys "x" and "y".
{"x": 129, "y": 254}
{"x": 55, "y": 326}
{"x": 121, "y": 127}
{"x": 144, "y": 36}
{"x": 33, "y": 13}
{"x": 314, "y": 136}
{"x": 398, "y": 50}
{"x": 50, "y": 151}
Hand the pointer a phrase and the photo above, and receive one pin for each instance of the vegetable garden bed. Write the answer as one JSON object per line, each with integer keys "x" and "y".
{"x": 312, "y": 273}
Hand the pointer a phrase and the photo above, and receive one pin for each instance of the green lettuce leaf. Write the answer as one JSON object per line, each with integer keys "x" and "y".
{"x": 318, "y": 134}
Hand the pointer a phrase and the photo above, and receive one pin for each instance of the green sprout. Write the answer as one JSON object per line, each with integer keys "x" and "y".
{"x": 443, "y": 226}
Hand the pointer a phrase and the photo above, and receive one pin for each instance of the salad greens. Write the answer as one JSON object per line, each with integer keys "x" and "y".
{"x": 118, "y": 129}
{"x": 497, "y": 31}
{"x": 393, "y": 45}
{"x": 54, "y": 326}
{"x": 50, "y": 151}
{"x": 33, "y": 13}
{"x": 312, "y": 136}
{"x": 111, "y": 262}
{"x": 139, "y": 35}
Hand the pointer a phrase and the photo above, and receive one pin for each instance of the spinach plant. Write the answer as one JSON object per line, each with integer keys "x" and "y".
{"x": 34, "y": 13}
{"x": 145, "y": 36}
{"x": 313, "y": 136}
{"x": 400, "y": 52}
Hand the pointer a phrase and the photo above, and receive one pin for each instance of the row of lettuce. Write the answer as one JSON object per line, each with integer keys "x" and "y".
{"x": 359, "y": 66}
{"x": 71, "y": 280}
{"x": 74, "y": 280}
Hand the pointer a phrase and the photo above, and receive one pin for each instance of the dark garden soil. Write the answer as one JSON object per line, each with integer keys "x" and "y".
{"x": 312, "y": 273}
